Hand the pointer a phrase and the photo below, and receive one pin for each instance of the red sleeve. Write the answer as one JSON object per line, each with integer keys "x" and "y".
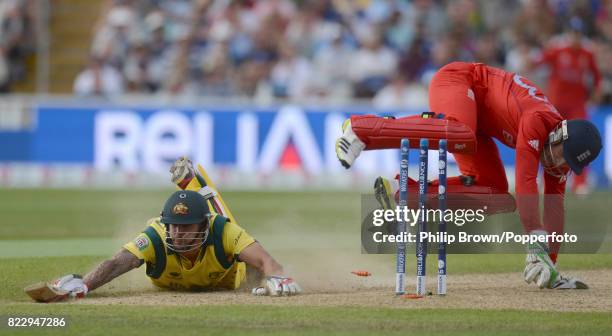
{"x": 595, "y": 72}
{"x": 530, "y": 141}
{"x": 547, "y": 57}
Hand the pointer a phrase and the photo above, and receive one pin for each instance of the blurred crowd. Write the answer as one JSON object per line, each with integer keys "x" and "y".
{"x": 16, "y": 40}
{"x": 385, "y": 50}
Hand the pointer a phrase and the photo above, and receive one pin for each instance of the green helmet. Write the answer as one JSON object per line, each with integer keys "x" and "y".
{"x": 185, "y": 207}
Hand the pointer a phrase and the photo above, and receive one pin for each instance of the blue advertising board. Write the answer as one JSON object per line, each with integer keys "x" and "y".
{"x": 250, "y": 139}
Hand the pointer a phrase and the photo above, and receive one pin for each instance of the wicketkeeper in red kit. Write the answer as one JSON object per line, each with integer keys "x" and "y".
{"x": 474, "y": 103}
{"x": 574, "y": 77}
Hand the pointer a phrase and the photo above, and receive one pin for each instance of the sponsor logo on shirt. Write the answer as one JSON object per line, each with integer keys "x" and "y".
{"x": 237, "y": 238}
{"x": 470, "y": 94}
{"x": 215, "y": 275}
{"x": 141, "y": 242}
{"x": 533, "y": 93}
{"x": 534, "y": 143}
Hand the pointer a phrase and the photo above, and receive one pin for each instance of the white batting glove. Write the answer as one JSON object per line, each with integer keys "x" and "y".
{"x": 182, "y": 171}
{"x": 72, "y": 284}
{"x": 278, "y": 286}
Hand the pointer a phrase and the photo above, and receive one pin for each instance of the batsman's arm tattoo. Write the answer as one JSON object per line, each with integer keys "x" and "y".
{"x": 106, "y": 271}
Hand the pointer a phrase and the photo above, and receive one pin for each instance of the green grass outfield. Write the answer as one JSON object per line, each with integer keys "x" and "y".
{"x": 265, "y": 320}
{"x": 45, "y": 233}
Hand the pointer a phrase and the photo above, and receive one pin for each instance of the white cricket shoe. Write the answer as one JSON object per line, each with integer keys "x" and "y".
{"x": 569, "y": 283}
{"x": 348, "y": 146}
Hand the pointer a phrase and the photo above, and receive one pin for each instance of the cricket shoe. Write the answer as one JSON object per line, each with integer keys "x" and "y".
{"x": 569, "y": 283}
{"x": 348, "y": 146}
{"x": 383, "y": 193}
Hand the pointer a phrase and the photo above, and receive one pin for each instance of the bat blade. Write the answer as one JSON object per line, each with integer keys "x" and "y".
{"x": 224, "y": 209}
{"x": 45, "y": 292}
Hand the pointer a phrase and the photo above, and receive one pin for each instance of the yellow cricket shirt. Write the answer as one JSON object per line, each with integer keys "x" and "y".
{"x": 216, "y": 266}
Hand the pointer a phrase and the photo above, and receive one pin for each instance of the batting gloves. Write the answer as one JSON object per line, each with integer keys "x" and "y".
{"x": 72, "y": 284}
{"x": 278, "y": 286}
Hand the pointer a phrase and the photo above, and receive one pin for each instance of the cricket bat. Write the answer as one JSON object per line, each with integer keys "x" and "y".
{"x": 45, "y": 292}
{"x": 187, "y": 178}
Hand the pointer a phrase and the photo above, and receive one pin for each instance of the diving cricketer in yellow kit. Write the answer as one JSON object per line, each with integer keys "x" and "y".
{"x": 215, "y": 265}
{"x": 195, "y": 244}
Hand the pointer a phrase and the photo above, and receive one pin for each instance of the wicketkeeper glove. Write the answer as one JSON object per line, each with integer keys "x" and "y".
{"x": 278, "y": 286}
{"x": 539, "y": 268}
